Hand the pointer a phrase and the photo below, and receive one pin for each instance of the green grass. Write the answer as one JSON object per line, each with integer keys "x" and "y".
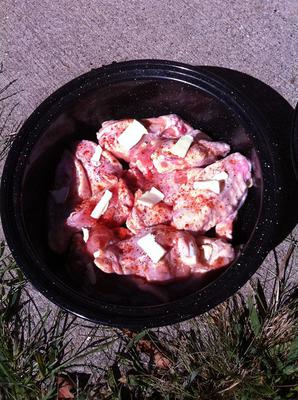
{"x": 34, "y": 351}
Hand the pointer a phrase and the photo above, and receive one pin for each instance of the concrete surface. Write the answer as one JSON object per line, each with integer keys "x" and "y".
{"x": 45, "y": 44}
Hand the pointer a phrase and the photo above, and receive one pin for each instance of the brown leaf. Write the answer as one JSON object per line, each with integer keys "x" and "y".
{"x": 64, "y": 388}
{"x": 128, "y": 333}
{"x": 147, "y": 346}
{"x": 161, "y": 361}
{"x": 123, "y": 379}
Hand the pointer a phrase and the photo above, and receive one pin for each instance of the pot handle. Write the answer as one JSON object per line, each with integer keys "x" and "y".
{"x": 294, "y": 144}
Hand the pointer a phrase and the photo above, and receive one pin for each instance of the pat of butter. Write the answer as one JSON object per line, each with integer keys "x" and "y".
{"x": 60, "y": 195}
{"x": 249, "y": 183}
{"x": 221, "y": 176}
{"x": 96, "y": 254}
{"x": 153, "y": 249}
{"x": 212, "y": 185}
{"x": 190, "y": 258}
{"x": 132, "y": 135}
{"x": 182, "y": 146}
{"x": 85, "y": 234}
{"x": 96, "y": 156}
{"x": 207, "y": 250}
{"x": 102, "y": 205}
{"x": 150, "y": 198}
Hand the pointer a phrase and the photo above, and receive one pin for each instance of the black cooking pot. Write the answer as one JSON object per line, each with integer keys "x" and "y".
{"x": 138, "y": 89}
{"x": 294, "y": 144}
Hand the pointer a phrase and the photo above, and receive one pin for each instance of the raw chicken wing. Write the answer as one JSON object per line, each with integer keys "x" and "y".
{"x": 116, "y": 214}
{"x": 213, "y": 254}
{"x": 102, "y": 173}
{"x": 136, "y": 180}
{"x": 100, "y": 245}
{"x": 71, "y": 187}
{"x": 108, "y": 137}
{"x": 167, "y": 126}
{"x": 184, "y": 255}
{"x": 201, "y": 209}
{"x": 142, "y": 216}
{"x": 173, "y": 184}
{"x": 127, "y": 258}
{"x": 200, "y": 154}
{"x": 139, "y": 155}
{"x": 134, "y": 261}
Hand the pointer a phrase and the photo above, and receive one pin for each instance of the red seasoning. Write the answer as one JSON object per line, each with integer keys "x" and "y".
{"x": 140, "y": 201}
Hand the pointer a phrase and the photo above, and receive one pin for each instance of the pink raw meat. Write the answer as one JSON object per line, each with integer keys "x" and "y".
{"x": 116, "y": 214}
{"x": 136, "y": 180}
{"x": 140, "y": 155}
{"x": 100, "y": 236}
{"x": 71, "y": 186}
{"x": 200, "y": 154}
{"x": 101, "y": 174}
{"x": 200, "y": 210}
{"x": 222, "y": 254}
{"x": 167, "y": 126}
{"x": 142, "y": 216}
{"x": 101, "y": 244}
{"x": 184, "y": 255}
{"x": 159, "y": 130}
{"x": 108, "y": 135}
{"x": 151, "y": 153}
{"x": 195, "y": 200}
{"x": 173, "y": 184}
{"x": 99, "y": 241}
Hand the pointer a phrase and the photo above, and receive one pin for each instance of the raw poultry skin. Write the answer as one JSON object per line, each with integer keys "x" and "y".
{"x": 71, "y": 187}
{"x": 200, "y": 154}
{"x": 125, "y": 257}
{"x": 101, "y": 174}
{"x": 142, "y": 216}
{"x": 200, "y": 210}
{"x": 168, "y": 126}
{"x": 179, "y": 262}
{"x": 152, "y": 154}
{"x": 116, "y": 214}
{"x": 178, "y": 222}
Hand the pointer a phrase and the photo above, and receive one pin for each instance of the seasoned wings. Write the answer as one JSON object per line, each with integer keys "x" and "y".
{"x": 141, "y": 200}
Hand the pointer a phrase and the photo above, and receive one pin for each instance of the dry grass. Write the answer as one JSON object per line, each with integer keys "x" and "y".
{"x": 8, "y": 129}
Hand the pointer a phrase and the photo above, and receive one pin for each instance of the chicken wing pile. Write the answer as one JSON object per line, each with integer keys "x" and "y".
{"x": 153, "y": 198}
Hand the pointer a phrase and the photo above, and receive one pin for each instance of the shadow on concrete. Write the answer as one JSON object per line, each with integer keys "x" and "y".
{"x": 280, "y": 115}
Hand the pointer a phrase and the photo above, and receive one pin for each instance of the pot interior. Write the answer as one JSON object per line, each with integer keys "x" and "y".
{"x": 78, "y": 114}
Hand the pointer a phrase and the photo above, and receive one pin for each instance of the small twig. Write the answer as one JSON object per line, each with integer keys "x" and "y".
{"x": 230, "y": 387}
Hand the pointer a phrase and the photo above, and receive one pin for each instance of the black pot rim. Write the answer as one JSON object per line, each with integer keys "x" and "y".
{"x": 198, "y": 302}
{"x": 294, "y": 144}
